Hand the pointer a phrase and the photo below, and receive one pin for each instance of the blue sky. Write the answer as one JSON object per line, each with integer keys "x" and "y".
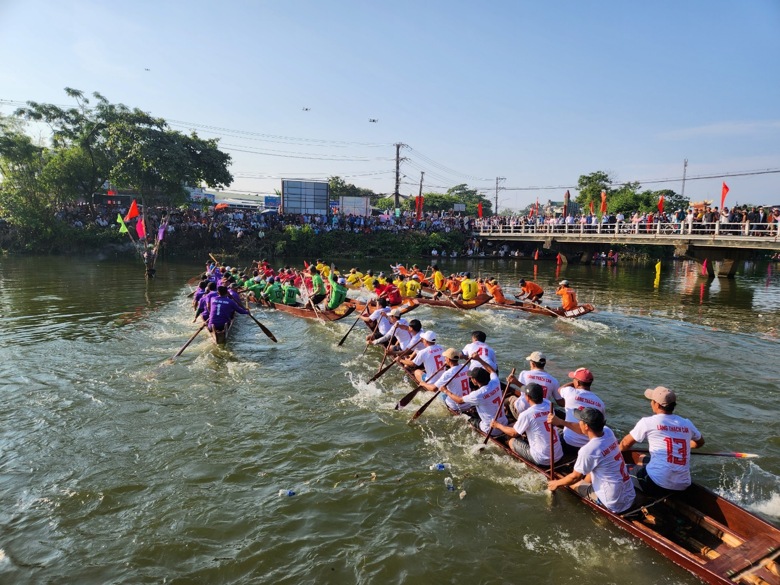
{"x": 536, "y": 92}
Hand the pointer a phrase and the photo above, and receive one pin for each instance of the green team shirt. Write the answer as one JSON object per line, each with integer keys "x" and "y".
{"x": 290, "y": 294}
{"x": 274, "y": 293}
{"x": 338, "y": 293}
{"x": 317, "y": 285}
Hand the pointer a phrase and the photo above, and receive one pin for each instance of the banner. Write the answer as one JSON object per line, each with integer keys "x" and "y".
{"x": 132, "y": 212}
{"x": 122, "y": 226}
{"x": 566, "y": 198}
{"x": 603, "y": 201}
{"x": 591, "y": 208}
{"x": 661, "y": 204}
{"x": 724, "y": 191}
{"x": 479, "y": 209}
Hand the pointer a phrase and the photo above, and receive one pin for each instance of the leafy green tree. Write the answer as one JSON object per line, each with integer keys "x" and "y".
{"x": 340, "y": 188}
{"x": 590, "y": 188}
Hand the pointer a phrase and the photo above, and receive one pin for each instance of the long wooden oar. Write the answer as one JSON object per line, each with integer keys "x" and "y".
{"x": 409, "y": 397}
{"x": 552, "y": 442}
{"x": 733, "y": 454}
{"x": 406, "y": 352}
{"x": 498, "y": 410}
{"x": 424, "y": 407}
{"x": 186, "y": 345}
{"x": 263, "y": 327}
{"x": 343, "y": 339}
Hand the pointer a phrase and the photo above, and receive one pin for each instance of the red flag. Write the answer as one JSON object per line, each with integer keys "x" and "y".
{"x": 479, "y": 209}
{"x": 603, "y": 202}
{"x": 132, "y": 212}
{"x": 661, "y": 204}
{"x": 536, "y": 209}
{"x": 591, "y": 208}
{"x": 536, "y": 254}
{"x": 724, "y": 191}
{"x": 140, "y": 228}
{"x": 566, "y": 198}
{"x": 558, "y": 259}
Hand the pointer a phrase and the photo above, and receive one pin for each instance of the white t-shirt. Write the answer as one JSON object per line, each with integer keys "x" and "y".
{"x": 487, "y": 401}
{"x": 411, "y": 343}
{"x": 669, "y": 441}
{"x": 545, "y": 380}
{"x": 602, "y": 458}
{"x": 382, "y": 319}
{"x": 575, "y": 399}
{"x": 431, "y": 359}
{"x": 456, "y": 379}
{"x": 533, "y": 423}
{"x": 485, "y": 352}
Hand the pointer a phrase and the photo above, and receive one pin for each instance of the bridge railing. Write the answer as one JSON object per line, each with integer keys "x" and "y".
{"x": 621, "y": 228}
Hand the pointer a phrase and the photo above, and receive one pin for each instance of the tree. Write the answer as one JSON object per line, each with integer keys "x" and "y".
{"x": 340, "y": 188}
{"x": 590, "y": 188}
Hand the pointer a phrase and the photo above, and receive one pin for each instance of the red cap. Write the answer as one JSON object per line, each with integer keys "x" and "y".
{"x": 582, "y": 374}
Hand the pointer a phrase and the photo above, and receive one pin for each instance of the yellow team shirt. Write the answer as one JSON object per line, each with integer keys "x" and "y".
{"x": 438, "y": 280}
{"x": 368, "y": 282}
{"x": 412, "y": 288}
{"x": 470, "y": 289}
{"x": 354, "y": 278}
{"x": 401, "y": 284}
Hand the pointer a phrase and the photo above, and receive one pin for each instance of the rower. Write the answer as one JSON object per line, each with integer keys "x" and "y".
{"x": 338, "y": 292}
{"x": 536, "y": 375}
{"x": 273, "y": 292}
{"x": 438, "y": 279}
{"x": 354, "y": 277}
{"x": 318, "y": 291}
{"x": 530, "y": 291}
{"x": 428, "y": 360}
{"x": 455, "y": 378}
{"x": 222, "y": 310}
{"x": 205, "y": 299}
{"x": 468, "y": 288}
{"x": 396, "y": 323}
{"x": 290, "y": 294}
{"x": 600, "y": 472}
{"x": 413, "y": 287}
{"x": 199, "y": 293}
{"x": 567, "y": 294}
{"x": 577, "y": 395}
{"x": 389, "y": 291}
{"x": 378, "y": 321}
{"x": 486, "y": 398}
{"x": 670, "y": 439}
{"x": 404, "y": 345}
{"x": 530, "y": 435}
{"x": 400, "y": 283}
{"x": 494, "y": 290}
{"x": 480, "y": 348}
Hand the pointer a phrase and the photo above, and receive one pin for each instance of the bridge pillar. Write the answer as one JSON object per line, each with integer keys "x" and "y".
{"x": 727, "y": 268}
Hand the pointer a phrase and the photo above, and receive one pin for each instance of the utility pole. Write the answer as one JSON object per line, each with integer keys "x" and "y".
{"x": 422, "y": 174}
{"x": 685, "y": 171}
{"x": 397, "y": 174}
{"x": 498, "y": 188}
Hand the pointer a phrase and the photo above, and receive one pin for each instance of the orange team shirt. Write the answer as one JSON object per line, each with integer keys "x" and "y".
{"x": 568, "y": 298}
{"x": 453, "y": 285}
{"x": 531, "y": 288}
{"x": 494, "y": 290}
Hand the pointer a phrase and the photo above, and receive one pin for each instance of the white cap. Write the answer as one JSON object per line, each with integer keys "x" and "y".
{"x": 342, "y": 280}
{"x": 429, "y": 336}
{"x": 396, "y": 313}
{"x": 537, "y": 356}
{"x": 564, "y": 283}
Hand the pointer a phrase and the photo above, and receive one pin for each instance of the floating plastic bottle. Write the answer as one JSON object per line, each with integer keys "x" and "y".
{"x": 286, "y": 492}
{"x": 449, "y": 484}
{"x": 439, "y": 466}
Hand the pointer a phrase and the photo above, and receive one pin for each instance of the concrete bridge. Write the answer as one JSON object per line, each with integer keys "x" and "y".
{"x": 724, "y": 244}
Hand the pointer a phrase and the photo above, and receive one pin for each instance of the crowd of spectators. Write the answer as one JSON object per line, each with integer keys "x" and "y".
{"x": 741, "y": 220}
{"x": 238, "y": 224}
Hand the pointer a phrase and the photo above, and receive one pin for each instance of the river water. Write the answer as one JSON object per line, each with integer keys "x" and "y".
{"x": 117, "y": 467}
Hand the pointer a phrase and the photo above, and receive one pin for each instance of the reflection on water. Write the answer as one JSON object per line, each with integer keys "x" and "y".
{"x": 116, "y": 466}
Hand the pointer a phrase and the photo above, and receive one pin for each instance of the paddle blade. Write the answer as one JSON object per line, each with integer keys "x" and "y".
{"x": 408, "y": 398}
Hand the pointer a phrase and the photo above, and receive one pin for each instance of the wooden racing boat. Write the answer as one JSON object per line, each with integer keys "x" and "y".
{"x": 405, "y": 307}
{"x": 444, "y": 301}
{"x": 713, "y": 538}
{"x": 220, "y": 336}
{"x": 307, "y": 312}
{"x": 529, "y": 307}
